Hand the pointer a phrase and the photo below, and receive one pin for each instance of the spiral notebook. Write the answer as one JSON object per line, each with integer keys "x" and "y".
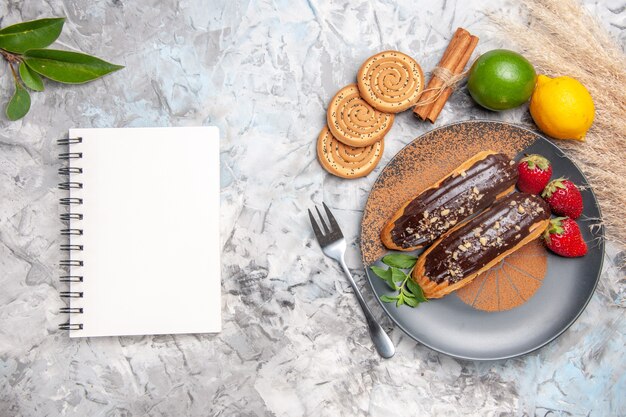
{"x": 141, "y": 207}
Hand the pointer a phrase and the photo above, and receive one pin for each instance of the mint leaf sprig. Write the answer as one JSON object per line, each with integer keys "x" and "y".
{"x": 396, "y": 277}
{"x": 23, "y": 47}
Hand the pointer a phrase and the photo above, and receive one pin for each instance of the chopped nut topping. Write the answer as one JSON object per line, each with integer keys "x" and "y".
{"x": 463, "y": 173}
{"x": 477, "y": 231}
{"x": 483, "y": 241}
{"x": 517, "y": 227}
{"x": 455, "y": 255}
{"x": 409, "y": 230}
{"x": 517, "y": 236}
{"x": 475, "y": 190}
{"x": 425, "y": 214}
{"x": 462, "y": 248}
{"x": 446, "y": 225}
{"x": 497, "y": 225}
{"x": 452, "y": 222}
{"x": 498, "y": 240}
{"x": 434, "y": 219}
{"x": 520, "y": 209}
{"x": 512, "y": 203}
{"x": 445, "y": 212}
{"x": 512, "y": 162}
{"x": 468, "y": 245}
{"x": 462, "y": 210}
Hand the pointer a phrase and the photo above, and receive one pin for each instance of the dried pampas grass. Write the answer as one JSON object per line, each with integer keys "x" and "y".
{"x": 562, "y": 38}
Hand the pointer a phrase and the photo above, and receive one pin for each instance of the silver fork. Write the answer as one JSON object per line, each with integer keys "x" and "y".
{"x": 334, "y": 246}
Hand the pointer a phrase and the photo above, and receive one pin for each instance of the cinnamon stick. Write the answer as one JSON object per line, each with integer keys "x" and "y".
{"x": 423, "y": 106}
{"x": 437, "y": 106}
{"x": 454, "y": 59}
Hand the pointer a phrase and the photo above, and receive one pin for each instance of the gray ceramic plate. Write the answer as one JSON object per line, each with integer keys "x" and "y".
{"x": 452, "y": 327}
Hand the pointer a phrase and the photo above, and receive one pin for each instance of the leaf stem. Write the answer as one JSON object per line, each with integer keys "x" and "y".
{"x": 14, "y": 73}
{"x": 403, "y": 283}
{"x": 408, "y": 275}
{"x": 9, "y": 57}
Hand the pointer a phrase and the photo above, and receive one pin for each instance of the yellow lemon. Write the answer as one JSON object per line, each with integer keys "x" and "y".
{"x": 562, "y": 107}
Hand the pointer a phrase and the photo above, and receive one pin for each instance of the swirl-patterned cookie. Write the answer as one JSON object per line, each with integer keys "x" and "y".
{"x": 347, "y": 161}
{"x": 391, "y": 81}
{"x": 354, "y": 122}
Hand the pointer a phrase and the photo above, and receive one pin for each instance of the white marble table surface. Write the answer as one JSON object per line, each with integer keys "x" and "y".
{"x": 294, "y": 342}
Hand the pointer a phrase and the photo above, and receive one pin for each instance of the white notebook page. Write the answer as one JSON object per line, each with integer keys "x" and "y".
{"x": 151, "y": 231}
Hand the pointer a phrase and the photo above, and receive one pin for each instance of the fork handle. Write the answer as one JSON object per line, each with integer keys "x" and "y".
{"x": 382, "y": 342}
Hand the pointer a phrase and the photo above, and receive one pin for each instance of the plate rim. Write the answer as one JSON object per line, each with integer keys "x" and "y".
{"x": 548, "y": 340}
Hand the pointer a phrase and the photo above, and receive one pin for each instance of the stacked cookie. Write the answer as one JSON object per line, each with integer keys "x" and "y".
{"x": 360, "y": 115}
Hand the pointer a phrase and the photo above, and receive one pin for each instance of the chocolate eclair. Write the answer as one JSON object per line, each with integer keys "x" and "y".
{"x": 469, "y": 249}
{"x": 470, "y": 188}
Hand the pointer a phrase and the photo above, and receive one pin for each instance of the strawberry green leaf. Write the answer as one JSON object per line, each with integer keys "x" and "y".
{"x": 29, "y": 35}
{"x": 536, "y": 160}
{"x": 67, "y": 67}
{"x": 556, "y": 225}
{"x": 552, "y": 186}
{"x": 19, "y": 104}
{"x": 400, "y": 260}
{"x": 30, "y": 78}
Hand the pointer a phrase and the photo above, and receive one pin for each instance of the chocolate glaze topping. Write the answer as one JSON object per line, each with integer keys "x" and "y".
{"x": 485, "y": 237}
{"x": 437, "y": 210}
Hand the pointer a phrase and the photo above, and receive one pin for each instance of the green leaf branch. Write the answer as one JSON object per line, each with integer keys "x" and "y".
{"x": 23, "y": 48}
{"x": 406, "y": 291}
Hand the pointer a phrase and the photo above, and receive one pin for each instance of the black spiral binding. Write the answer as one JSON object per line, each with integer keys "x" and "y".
{"x": 70, "y": 231}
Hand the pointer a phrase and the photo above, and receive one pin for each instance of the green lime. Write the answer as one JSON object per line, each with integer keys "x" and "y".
{"x": 501, "y": 79}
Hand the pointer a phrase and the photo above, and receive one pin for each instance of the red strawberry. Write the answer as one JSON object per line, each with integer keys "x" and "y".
{"x": 564, "y": 198}
{"x": 534, "y": 173}
{"x": 563, "y": 238}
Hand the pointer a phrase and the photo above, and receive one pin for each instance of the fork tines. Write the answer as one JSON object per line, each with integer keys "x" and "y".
{"x": 330, "y": 234}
